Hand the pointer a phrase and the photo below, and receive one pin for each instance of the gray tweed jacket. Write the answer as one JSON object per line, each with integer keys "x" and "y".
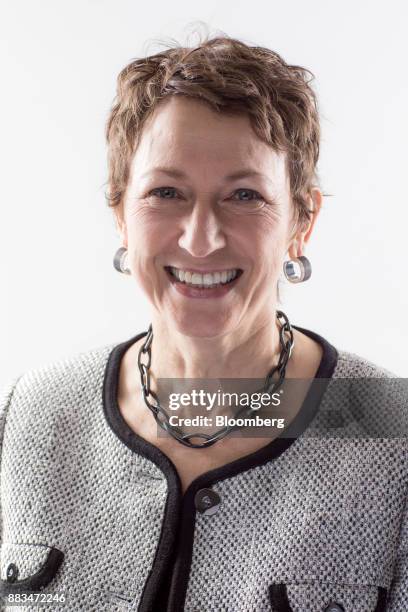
{"x": 92, "y": 516}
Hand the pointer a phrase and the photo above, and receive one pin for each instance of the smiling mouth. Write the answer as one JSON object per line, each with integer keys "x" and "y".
{"x": 203, "y": 280}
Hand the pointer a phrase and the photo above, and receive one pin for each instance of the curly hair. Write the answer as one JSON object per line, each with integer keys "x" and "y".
{"x": 231, "y": 77}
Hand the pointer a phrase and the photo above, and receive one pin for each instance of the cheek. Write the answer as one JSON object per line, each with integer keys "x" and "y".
{"x": 145, "y": 231}
{"x": 267, "y": 240}
{"x": 267, "y": 256}
{"x": 149, "y": 243}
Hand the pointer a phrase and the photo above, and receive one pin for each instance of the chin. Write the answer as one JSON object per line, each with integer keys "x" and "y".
{"x": 203, "y": 326}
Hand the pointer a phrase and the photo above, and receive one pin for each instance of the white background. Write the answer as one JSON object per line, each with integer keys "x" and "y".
{"x": 59, "y": 291}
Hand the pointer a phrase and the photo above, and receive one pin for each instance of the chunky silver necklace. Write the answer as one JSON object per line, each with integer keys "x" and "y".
{"x": 161, "y": 415}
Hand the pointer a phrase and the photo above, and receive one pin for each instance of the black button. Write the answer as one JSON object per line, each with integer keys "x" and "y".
{"x": 12, "y": 572}
{"x": 207, "y": 501}
{"x": 334, "y": 607}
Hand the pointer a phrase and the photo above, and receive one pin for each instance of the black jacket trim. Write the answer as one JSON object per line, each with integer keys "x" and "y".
{"x": 38, "y": 580}
{"x": 166, "y": 586}
{"x": 382, "y": 600}
{"x": 278, "y": 597}
{"x": 141, "y": 446}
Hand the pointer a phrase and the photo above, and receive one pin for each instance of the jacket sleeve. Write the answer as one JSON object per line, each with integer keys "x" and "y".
{"x": 6, "y": 394}
{"x": 398, "y": 594}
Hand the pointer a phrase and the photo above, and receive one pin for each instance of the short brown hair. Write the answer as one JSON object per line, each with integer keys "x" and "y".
{"x": 231, "y": 77}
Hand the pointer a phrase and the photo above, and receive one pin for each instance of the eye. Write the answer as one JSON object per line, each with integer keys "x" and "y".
{"x": 248, "y": 192}
{"x": 163, "y": 190}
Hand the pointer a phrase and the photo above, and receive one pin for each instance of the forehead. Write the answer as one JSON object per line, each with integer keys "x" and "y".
{"x": 188, "y": 132}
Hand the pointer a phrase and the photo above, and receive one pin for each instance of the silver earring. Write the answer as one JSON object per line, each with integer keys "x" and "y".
{"x": 120, "y": 261}
{"x": 297, "y": 270}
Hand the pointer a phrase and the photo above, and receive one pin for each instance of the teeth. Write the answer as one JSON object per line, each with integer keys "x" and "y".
{"x": 204, "y": 280}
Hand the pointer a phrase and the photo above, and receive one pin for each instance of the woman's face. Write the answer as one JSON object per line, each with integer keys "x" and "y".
{"x": 185, "y": 207}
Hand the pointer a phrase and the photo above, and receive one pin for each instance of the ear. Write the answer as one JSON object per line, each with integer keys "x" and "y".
{"x": 302, "y": 235}
{"x": 120, "y": 225}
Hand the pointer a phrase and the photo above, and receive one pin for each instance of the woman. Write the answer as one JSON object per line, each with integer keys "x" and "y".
{"x": 213, "y": 184}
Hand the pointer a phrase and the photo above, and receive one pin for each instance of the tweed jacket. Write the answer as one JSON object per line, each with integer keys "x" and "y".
{"x": 93, "y": 518}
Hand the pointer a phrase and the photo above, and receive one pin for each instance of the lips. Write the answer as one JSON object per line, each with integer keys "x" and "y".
{"x": 202, "y": 291}
{"x": 204, "y": 279}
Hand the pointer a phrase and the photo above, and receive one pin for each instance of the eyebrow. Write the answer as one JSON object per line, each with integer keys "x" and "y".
{"x": 175, "y": 173}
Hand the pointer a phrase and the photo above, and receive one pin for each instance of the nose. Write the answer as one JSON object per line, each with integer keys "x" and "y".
{"x": 202, "y": 232}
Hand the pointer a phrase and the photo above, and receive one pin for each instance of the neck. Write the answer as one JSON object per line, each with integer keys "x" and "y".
{"x": 243, "y": 354}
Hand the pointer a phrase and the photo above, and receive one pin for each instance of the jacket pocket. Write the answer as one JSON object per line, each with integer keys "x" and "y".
{"x": 27, "y": 567}
{"x": 318, "y": 596}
